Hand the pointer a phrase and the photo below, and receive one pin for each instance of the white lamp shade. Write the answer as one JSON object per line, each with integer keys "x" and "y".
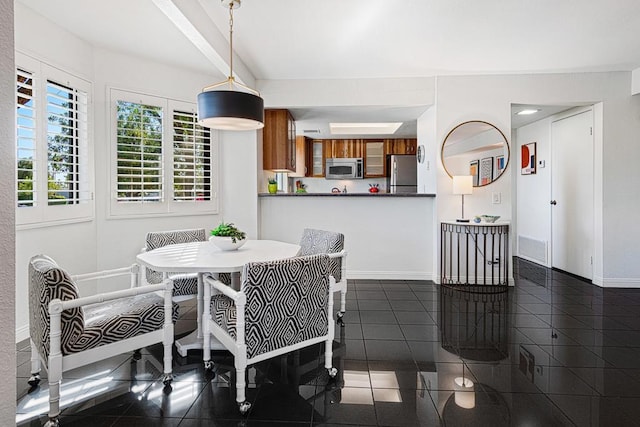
{"x": 462, "y": 184}
{"x": 464, "y": 393}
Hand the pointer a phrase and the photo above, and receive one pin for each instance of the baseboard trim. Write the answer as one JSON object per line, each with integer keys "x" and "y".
{"x": 618, "y": 282}
{"x": 390, "y": 275}
{"x": 22, "y": 333}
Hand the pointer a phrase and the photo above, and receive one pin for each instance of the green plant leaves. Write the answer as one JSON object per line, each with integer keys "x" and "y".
{"x": 228, "y": 230}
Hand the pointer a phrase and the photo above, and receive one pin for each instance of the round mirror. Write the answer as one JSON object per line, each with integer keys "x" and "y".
{"x": 478, "y": 149}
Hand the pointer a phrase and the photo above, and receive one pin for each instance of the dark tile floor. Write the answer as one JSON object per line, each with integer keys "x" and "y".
{"x": 554, "y": 350}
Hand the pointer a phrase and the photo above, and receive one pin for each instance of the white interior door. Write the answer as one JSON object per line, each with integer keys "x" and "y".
{"x": 572, "y": 200}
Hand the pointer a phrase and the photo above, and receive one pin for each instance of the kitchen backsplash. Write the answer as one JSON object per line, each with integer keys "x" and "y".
{"x": 321, "y": 185}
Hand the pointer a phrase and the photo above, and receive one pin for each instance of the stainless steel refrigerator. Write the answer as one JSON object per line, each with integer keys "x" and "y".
{"x": 402, "y": 173}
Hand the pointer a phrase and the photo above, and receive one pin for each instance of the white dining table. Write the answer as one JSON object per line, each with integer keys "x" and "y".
{"x": 205, "y": 257}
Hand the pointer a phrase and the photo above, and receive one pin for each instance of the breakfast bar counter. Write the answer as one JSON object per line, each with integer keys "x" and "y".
{"x": 387, "y": 236}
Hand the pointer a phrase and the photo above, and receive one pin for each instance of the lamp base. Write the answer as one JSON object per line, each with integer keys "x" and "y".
{"x": 462, "y": 220}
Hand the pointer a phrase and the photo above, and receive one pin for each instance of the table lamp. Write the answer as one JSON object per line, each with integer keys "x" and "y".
{"x": 462, "y": 184}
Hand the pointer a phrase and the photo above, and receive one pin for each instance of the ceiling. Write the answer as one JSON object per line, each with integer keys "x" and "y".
{"x": 332, "y": 39}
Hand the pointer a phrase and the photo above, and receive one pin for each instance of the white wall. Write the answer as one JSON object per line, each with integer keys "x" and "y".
{"x": 489, "y": 98}
{"x": 386, "y": 237}
{"x": 365, "y": 92}
{"x": 427, "y": 138}
{"x": 73, "y": 245}
{"x": 7, "y": 212}
{"x": 534, "y": 191}
{"x": 118, "y": 240}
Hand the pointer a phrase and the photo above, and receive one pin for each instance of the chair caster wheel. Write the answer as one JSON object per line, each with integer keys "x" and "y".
{"x": 167, "y": 380}
{"x": 52, "y": 422}
{"x": 34, "y": 380}
{"x": 332, "y": 372}
{"x": 244, "y": 407}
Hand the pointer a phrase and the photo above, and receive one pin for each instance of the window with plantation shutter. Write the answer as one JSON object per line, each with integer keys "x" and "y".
{"x": 191, "y": 158}
{"x": 66, "y": 129}
{"x": 53, "y": 178}
{"x": 25, "y": 139}
{"x": 163, "y": 161}
{"x": 139, "y": 152}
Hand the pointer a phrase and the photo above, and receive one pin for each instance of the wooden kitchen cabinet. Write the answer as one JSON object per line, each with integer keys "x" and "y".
{"x": 315, "y": 158}
{"x": 374, "y": 158}
{"x": 279, "y": 141}
{"x": 343, "y": 148}
{"x": 401, "y": 146}
{"x": 309, "y": 157}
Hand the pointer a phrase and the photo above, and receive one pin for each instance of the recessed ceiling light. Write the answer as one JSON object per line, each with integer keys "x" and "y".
{"x": 364, "y": 128}
{"x": 527, "y": 112}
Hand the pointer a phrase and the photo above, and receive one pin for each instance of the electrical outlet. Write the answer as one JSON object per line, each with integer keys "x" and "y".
{"x": 496, "y": 198}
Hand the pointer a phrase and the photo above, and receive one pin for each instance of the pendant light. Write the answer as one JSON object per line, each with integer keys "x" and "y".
{"x": 230, "y": 105}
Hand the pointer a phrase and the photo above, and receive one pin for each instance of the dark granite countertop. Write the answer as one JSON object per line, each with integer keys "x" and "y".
{"x": 372, "y": 195}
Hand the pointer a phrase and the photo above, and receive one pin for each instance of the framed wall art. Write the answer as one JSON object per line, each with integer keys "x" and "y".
{"x": 499, "y": 165}
{"x": 486, "y": 170}
{"x": 473, "y": 171}
{"x": 528, "y": 158}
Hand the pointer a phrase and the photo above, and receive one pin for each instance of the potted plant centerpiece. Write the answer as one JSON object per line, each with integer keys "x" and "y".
{"x": 227, "y": 237}
{"x": 273, "y": 185}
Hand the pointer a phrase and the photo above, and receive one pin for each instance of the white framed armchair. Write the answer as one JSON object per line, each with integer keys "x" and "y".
{"x": 68, "y": 332}
{"x": 314, "y": 242}
{"x": 282, "y": 306}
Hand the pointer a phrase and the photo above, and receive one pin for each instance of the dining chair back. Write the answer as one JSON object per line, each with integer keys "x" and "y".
{"x": 314, "y": 242}
{"x": 282, "y": 306}
{"x": 183, "y": 284}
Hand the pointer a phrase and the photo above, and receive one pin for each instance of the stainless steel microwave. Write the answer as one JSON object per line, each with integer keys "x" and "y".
{"x": 344, "y": 168}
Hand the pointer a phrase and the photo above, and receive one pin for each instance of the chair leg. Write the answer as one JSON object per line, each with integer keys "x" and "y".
{"x": 241, "y": 383}
{"x": 34, "y": 379}
{"x": 328, "y": 356}
{"x": 343, "y": 301}
{"x": 343, "y": 307}
{"x": 55, "y": 378}
{"x": 168, "y": 355}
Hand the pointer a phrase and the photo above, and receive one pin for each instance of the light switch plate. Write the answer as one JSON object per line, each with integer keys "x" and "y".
{"x": 496, "y": 198}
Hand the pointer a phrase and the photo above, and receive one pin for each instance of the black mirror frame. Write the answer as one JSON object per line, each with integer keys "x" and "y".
{"x": 506, "y": 142}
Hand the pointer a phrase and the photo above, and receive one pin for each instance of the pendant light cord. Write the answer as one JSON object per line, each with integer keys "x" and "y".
{"x": 231, "y": 44}
{"x": 231, "y": 81}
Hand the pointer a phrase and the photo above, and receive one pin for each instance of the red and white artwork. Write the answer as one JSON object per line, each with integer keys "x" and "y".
{"x": 528, "y": 158}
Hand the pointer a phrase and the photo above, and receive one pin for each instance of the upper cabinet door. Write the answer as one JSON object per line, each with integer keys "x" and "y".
{"x": 315, "y": 158}
{"x": 401, "y": 146}
{"x": 344, "y": 148}
{"x": 374, "y": 159}
{"x": 279, "y": 141}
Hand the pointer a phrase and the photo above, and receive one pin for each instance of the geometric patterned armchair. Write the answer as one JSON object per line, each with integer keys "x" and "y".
{"x": 314, "y": 242}
{"x": 281, "y": 306}
{"x": 67, "y": 332}
{"x": 183, "y": 284}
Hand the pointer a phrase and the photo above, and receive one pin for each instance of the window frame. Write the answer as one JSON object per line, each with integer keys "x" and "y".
{"x": 43, "y": 214}
{"x": 167, "y": 206}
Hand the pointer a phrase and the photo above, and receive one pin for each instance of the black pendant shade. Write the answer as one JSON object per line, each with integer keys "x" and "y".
{"x": 230, "y": 110}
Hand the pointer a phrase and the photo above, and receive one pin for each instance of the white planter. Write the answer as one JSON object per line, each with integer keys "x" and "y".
{"x": 226, "y": 244}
